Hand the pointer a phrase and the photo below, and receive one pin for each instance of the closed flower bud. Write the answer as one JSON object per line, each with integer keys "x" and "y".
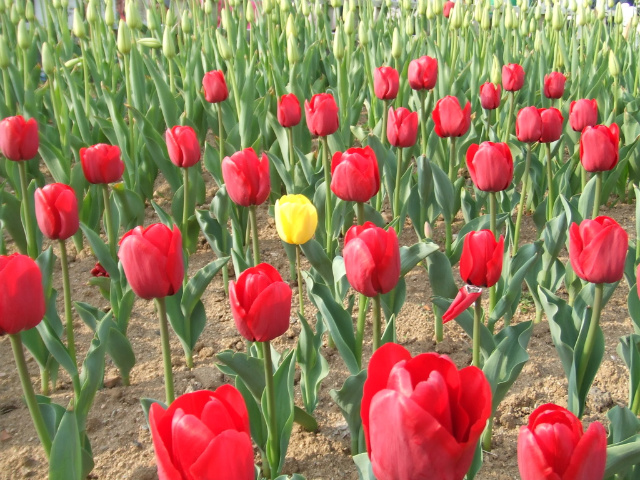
{"x": 481, "y": 260}
{"x": 306, "y": 8}
{"x": 509, "y": 21}
{"x": 386, "y": 82}
{"x": 124, "y": 38}
{"x": 363, "y": 33}
{"x": 291, "y": 29}
{"x": 490, "y": 96}
{"x": 285, "y": 6}
{"x": 208, "y": 7}
{"x": 183, "y": 146}
{"x": 223, "y": 46}
{"x": 354, "y": 174}
{"x": 554, "y": 85}
{"x": 101, "y": 163}
{"x": 289, "y": 112}
{"x": 168, "y": 44}
{"x": 321, "y": 113}
{"x": 132, "y": 14}
{"x": 48, "y": 63}
{"x": 22, "y": 303}
{"x": 614, "y": 66}
{"x": 92, "y": 12}
{"x": 4, "y": 53}
{"x": 296, "y": 219}
{"x": 215, "y": 87}
{"x": 186, "y": 23}
{"x": 557, "y": 19}
{"x": 422, "y": 7}
{"x": 350, "y": 23}
{"x": 490, "y": 166}
{"x": 529, "y": 125}
{"x": 251, "y": 15}
{"x": 599, "y": 148}
{"x": 402, "y": 127}
{"x": 14, "y": 16}
{"x": 338, "y": 44}
{"x": 247, "y": 177}
{"x": 396, "y": 45}
{"x": 486, "y": 19}
{"x": 551, "y": 125}
{"x": 430, "y": 13}
{"x": 532, "y": 26}
{"x": 29, "y": 13}
{"x": 583, "y": 113}
{"x": 496, "y": 71}
{"x": 109, "y": 16}
{"x": 451, "y": 120}
{"x": 24, "y": 36}
{"x": 537, "y": 13}
{"x": 79, "y": 29}
{"x": 267, "y": 6}
{"x": 56, "y": 211}
{"x": 19, "y": 138}
{"x": 456, "y": 19}
{"x": 293, "y": 53}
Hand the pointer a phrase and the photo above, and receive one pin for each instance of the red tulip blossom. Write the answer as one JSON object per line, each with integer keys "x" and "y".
{"x": 22, "y": 304}
{"x": 554, "y": 85}
{"x": 490, "y": 166}
{"x": 423, "y": 73}
{"x": 481, "y": 260}
{"x": 583, "y": 113}
{"x": 446, "y": 9}
{"x": 247, "y": 177}
{"x": 101, "y": 163}
{"x": 99, "y": 271}
{"x": 183, "y": 146}
{"x": 490, "y": 96}
{"x": 386, "y": 82}
{"x": 19, "y": 138}
{"x": 551, "y": 125}
{"x": 215, "y": 87}
{"x": 402, "y": 127}
{"x": 450, "y": 118}
{"x": 599, "y": 148}
{"x": 321, "y": 114}
{"x": 289, "y": 113}
{"x": 529, "y": 125}
{"x": 354, "y": 174}
{"x": 57, "y": 211}
{"x": 512, "y": 77}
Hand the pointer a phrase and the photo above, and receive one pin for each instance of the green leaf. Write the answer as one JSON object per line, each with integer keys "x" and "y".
{"x": 444, "y": 192}
{"x": 198, "y": 283}
{"x": 349, "y": 399}
{"x": 363, "y": 464}
{"x": 411, "y": 256}
{"x": 101, "y": 251}
{"x": 56, "y": 348}
{"x": 319, "y": 260}
{"x": 120, "y": 350}
{"x": 313, "y": 366}
{"x": 249, "y": 369}
{"x": 146, "y": 403}
{"x": 66, "y": 455}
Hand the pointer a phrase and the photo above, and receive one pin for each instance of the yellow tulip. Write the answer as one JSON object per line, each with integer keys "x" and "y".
{"x": 296, "y": 219}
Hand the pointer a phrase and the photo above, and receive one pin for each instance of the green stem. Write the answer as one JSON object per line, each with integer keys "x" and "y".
{"x": 44, "y": 381}
{"x": 506, "y": 133}
{"x": 448, "y": 237}
{"x": 132, "y": 155}
{"x": 550, "y": 196}
{"x": 7, "y": 91}
{"x": 166, "y": 350}
{"x": 385, "y": 115}
{"x": 423, "y": 122}
{"x": 25, "y": 63}
{"x": 71, "y": 346}
{"x": 523, "y": 193}
{"x": 438, "y": 326}
{"x": 363, "y": 301}
{"x": 273, "y": 443}
{"x": 292, "y": 163}
{"x": 254, "y": 235}
{"x": 327, "y": 205}
{"x": 488, "y": 433}
{"x": 590, "y": 341}
{"x": 32, "y": 246}
{"x": 85, "y": 73}
{"x": 185, "y": 211}
{"x": 477, "y": 321}
{"x": 172, "y": 80}
{"x": 598, "y": 195}
{"x": 493, "y": 209}
{"x": 300, "y": 294}
{"x": 396, "y": 192}
{"x": 377, "y": 327}
{"x": 29, "y": 394}
{"x": 234, "y": 87}
{"x": 452, "y": 160}
{"x": 108, "y": 220}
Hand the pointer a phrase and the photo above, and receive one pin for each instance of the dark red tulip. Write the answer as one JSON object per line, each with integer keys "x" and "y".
{"x": 490, "y": 166}
{"x": 599, "y": 148}
{"x": 386, "y": 82}
{"x": 481, "y": 260}
{"x": 152, "y": 260}
{"x": 321, "y": 114}
{"x": 99, "y": 271}
{"x": 183, "y": 146}
{"x": 551, "y": 125}
{"x": 289, "y": 112}
{"x": 583, "y": 113}
{"x": 354, "y": 174}
{"x": 466, "y": 297}
{"x": 490, "y": 96}
{"x": 554, "y": 446}
{"x": 554, "y": 85}
{"x": 19, "y": 138}
{"x": 372, "y": 259}
{"x": 423, "y": 73}
{"x": 260, "y": 303}
{"x": 598, "y": 249}
{"x": 446, "y": 9}
{"x": 57, "y": 211}
{"x": 512, "y": 77}
{"x": 450, "y": 118}
{"x": 402, "y": 127}
{"x": 247, "y": 177}
{"x": 529, "y": 125}
{"x": 422, "y": 417}
{"x": 215, "y": 87}
{"x": 101, "y": 163}
{"x": 202, "y": 434}
{"x": 22, "y": 303}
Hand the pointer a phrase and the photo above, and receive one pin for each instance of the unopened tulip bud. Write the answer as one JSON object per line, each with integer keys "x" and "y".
{"x": 486, "y": 19}
{"x": 186, "y": 23}
{"x": 600, "y": 10}
{"x": 537, "y": 43}
{"x": 495, "y": 19}
{"x": 4, "y": 53}
{"x": 428, "y": 231}
{"x": 614, "y": 66}
{"x": 92, "y": 12}
{"x": 350, "y": 23}
{"x": 524, "y": 7}
{"x": 409, "y": 26}
{"x": 14, "y": 16}
{"x": 208, "y": 7}
{"x": 634, "y": 21}
{"x": 132, "y": 12}
{"x": 19, "y": 7}
{"x": 29, "y": 14}
{"x": 422, "y": 7}
{"x": 396, "y": 45}
{"x": 537, "y": 13}
{"x": 152, "y": 24}
{"x": 456, "y": 18}
{"x": 168, "y": 44}
{"x": 508, "y": 17}
{"x": 617, "y": 18}
{"x": 226, "y": 19}
{"x": 64, "y": 3}
{"x": 496, "y": 71}
{"x": 533, "y": 26}
{"x": 406, "y": 5}
{"x": 438, "y": 5}
{"x": 336, "y": 3}
{"x": 267, "y": 6}
{"x": 24, "y": 36}
{"x": 79, "y": 29}
{"x": 557, "y": 20}
{"x": 338, "y": 44}
{"x": 610, "y": 3}
{"x": 363, "y": 33}
{"x": 109, "y": 16}
{"x": 306, "y": 8}
{"x": 573, "y": 6}
{"x": 524, "y": 27}
{"x": 223, "y": 46}
{"x": 291, "y": 29}
{"x": 285, "y": 6}
{"x": 293, "y": 53}
{"x": 430, "y": 13}
{"x": 48, "y": 64}
{"x": 56, "y": 3}
{"x": 580, "y": 16}
{"x": 124, "y": 38}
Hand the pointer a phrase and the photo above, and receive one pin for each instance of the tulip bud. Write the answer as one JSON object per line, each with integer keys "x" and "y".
{"x": 78, "y": 25}
{"x": 92, "y": 12}
{"x": 537, "y": 13}
{"x": 208, "y": 7}
{"x": 532, "y": 26}
{"x": 350, "y": 23}
{"x": 4, "y": 53}
{"x": 152, "y": 24}
{"x": 496, "y": 71}
{"x": 285, "y": 6}
{"x": 614, "y": 66}
{"x": 291, "y": 29}
{"x": 498, "y": 4}
{"x": 428, "y": 231}
{"x": 124, "y": 38}
{"x": 422, "y": 7}
{"x": 634, "y": 21}
{"x": 557, "y": 21}
{"x": 353, "y": 6}
{"x": 495, "y": 19}
{"x": 223, "y": 46}
{"x": 29, "y": 14}
{"x": 267, "y": 6}
{"x": 293, "y": 53}
{"x": 524, "y": 7}
{"x": 306, "y": 8}
{"x": 14, "y": 16}
{"x": 600, "y": 9}
{"x": 610, "y": 3}
{"x": 363, "y": 33}
{"x": 109, "y": 16}
{"x": 438, "y": 5}
{"x": 149, "y": 42}
{"x": 396, "y": 46}
{"x": 466, "y": 22}
{"x": 430, "y": 13}
{"x": 56, "y": 3}
{"x": 168, "y": 44}
{"x": 389, "y": 3}
{"x": 486, "y": 19}
{"x": 48, "y": 64}
{"x": 477, "y": 12}
{"x": 132, "y": 13}
{"x": 537, "y": 43}
{"x": 226, "y": 19}
{"x": 508, "y": 17}
{"x": 318, "y": 8}
{"x": 618, "y": 15}
{"x": 524, "y": 27}
{"x": 170, "y": 19}
{"x": 64, "y": 4}
{"x": 186, "y": 22}
{"x": 457, "y": 16}
{"x": 19, "y": 7}
{"x": 24, "y": 36}
{"x": 406, "y": 5}
{"x": 338, "y": 44}
{"x": 573, "y": 6}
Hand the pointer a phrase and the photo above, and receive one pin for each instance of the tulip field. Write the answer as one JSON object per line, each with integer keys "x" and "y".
{"x": 319, "y": 239}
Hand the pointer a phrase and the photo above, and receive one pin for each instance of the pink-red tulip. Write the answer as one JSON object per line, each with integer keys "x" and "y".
{"x": 466, "y": 297}
{"x": 57, "y": 211}
{"x": 551, "y": 125}
{"x": 554, "y": 85}
{"x": 215, "y": 87}
{"x": 22, "y": 303}
{"x": 354, "y": 174}
{"x": 101, "y": 163}
{"x": 598, "y": 249}
{"x": 554, "y": 446}
{"x": 599, "y": 148}
{"x": 529, "y": 125}
{"x": 201, "y": 435}
{"x": 321, "y": 114}
{"x": 402, "y": 127}
{"x": 583, "y": 113}
{"x": 450, "y": 119}
{"x": 372, "y": 259}
{"x": 423, "y": 73}
{"x": 481, "y": 260}
{"x": 183, "y": 146}
{"x": 490, "y": 96}
{"x": 490, "y": 166}
{"x": 512, "y": 77}
{"x": 446, "y": 9}
{"x": 152, "y": 260}
{"x": 289, "y": 113}
{"x": 260, "y": 303}
{"x": 386, "y": 82}
{"x": 247, "y": 177}
{"x": 422, "y": 417}
{"x": 19, "y": 138}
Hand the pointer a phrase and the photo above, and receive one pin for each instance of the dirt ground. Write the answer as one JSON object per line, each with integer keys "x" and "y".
{"x": 116, "y": 425}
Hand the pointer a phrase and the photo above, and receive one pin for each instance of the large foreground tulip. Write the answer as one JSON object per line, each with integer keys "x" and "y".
{"x": 19, "y": 138}
{"x": 451, "y": 120}
{"x": 481, "y": 260}
{"x": 354, "y": 174}
{"x": 422, "y": 417}
{"x": 296, "y": 219}
{"x": 247, "y": 177}
{"x": 554, "y": 446}
{"x": 490, "y": 166}
{"x": 101, "y": 163}
{"x": 203, "y": 435}
{"x": 57, "y": 211}
{"x": 386, "y": 82}
{"x": 22, "y": 304}
{"x": 512, "y": 77}
{"x": 583, "y": 113}
{"x": 321, "y": 113}
{"x": 215, "y": 87}
{"x": 423, "y": 73}
{"x": 599, "y": 147}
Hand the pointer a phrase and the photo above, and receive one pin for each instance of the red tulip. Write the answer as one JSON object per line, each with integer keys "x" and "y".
{"x": 215, "y": 87}
{"x": 386, "y": 82}
{"x": 183, "y": 146}
{"x": 554, "y": 446}
{"x": 371, "y": 259}
{"x": 57, "y": 211}
{"x": 598, "y": 249}
{"x": 490, "y": 96}
{"x": 599, "y": 150}
{"x": 466, "y": 297}
{"x": 321, "y": 114}
{"x": 490, "y": 166}
{"x": 512, "y": 77}
{"x": 202, "y": 435}
{"x": 450, "y": 119}
{"x": 354, "y": 174}
{"x": 260, "y": 303}
{"x": 247, "y": 177}
{"x": 583, "y": 113}
{"x": 99, "y": 271}
{"x": 152, "y": 260}
{"x": 446, "y": 9}
{"x": 19, "y": 138}
{"x": 481, "y": 260}
{"x": 422, "y": 417}
{"x": 529, "y": 125}
{"x": 289, "y": 110}
{"x": 101, "y": 163}
{"x": 554, "y": 85}
{"x": 22, "y": 305}
{"x": 551, "y": 124}
{"x": 423, "y": 73}
{"x": 402, "y": 127}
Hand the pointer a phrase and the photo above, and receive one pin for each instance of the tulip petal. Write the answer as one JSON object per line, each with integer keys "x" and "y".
{"x": 466, "y": 297}
{"x": 190, "y": 438}
{"x": 22, "y": 304}
{"x": 229, "y": 454}
{"x": 590, "y": 455}
{"x": 531, "y": 461}
{"x": 236, "y": 408}
{"x": 268, "y": 317}
{"x": 141, "y": 261}
{"x": 166, "y": 469}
